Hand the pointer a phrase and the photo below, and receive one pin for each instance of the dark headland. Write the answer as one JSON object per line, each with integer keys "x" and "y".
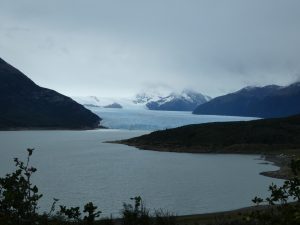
{"x": 271, "y": 137}
{"x": 25, "y": 105}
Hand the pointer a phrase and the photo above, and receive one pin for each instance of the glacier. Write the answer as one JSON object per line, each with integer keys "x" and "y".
{"x": 151, "y": 120}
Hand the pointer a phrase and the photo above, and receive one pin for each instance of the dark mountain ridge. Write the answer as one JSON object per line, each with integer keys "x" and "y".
{"x": 25, "y": 105}
{"x": 265, "y": 102}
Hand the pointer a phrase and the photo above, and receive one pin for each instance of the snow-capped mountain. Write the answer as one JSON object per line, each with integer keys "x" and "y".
{"x": 105, "y": 102}
{"x": 151, "y": 95}
{"x": 186, "y": 100}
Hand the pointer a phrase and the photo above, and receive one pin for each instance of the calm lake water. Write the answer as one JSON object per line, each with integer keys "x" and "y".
{"x": 77, "y": 167}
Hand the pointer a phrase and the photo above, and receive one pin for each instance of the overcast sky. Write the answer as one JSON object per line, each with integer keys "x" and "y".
{"x": 119, "y": 47}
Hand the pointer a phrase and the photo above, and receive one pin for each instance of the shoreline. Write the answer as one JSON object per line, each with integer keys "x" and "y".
{"x": 283, "y": 162}
{"x": 276, "y": 157}
{"x": 211, "y": 218}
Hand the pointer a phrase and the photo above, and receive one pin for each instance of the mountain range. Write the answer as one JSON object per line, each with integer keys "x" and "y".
{"x": 25, "y": 105}
{"x": 185, "y": 100}
{"x": 264, "y": 102}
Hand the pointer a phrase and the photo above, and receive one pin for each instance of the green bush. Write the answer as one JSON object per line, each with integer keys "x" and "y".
{"x": 281, "y": 210}
{"x": 18, "y": 196}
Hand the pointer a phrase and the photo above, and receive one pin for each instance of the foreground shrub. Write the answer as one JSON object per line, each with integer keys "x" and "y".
{"x": 18, "y": 196}
{"x": 283, "y": 204}
{"x": 138, "y": 214}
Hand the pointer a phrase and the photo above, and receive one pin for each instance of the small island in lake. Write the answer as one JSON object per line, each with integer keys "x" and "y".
{"x": 114, "y": 106}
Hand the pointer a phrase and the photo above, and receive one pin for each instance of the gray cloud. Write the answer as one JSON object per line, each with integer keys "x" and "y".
{"x": 119, "y": 47}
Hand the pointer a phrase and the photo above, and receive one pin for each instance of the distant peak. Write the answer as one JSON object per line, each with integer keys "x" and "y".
{"x": 189, "y": 91}
{"x": 95, "y": 98}
{"x": 296, "y": 84}
{"x": 254, "y": 88}
{"x": 249, "y": 88}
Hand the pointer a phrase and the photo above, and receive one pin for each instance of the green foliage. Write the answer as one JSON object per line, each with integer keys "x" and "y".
{"x": 72, "y": 213}
{"x": 92, "y": 214}
{"x": 257, "y": 200}
{"x": 295, "y": 166}
{"x": 135, "y": 214}
{"x": 279, "y": 210}
{"x": 18, "y": 196}
{"x": 138, "y": 214}
{"x": 164, "y": 218}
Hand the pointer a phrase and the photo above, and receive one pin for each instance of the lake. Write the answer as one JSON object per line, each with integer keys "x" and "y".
{"x": 77, "y": 167}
